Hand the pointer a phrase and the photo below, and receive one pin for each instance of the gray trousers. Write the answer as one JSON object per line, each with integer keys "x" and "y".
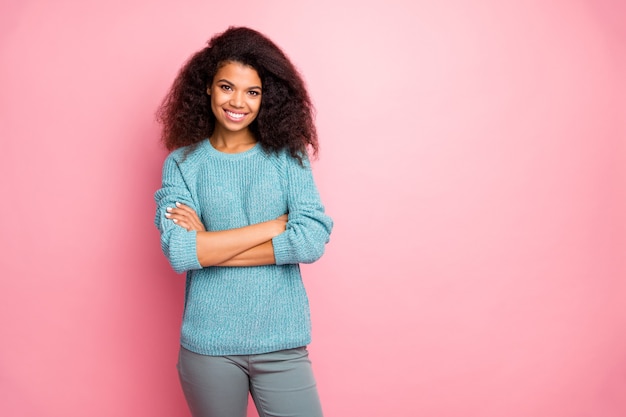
{"x": 280, "y": 383}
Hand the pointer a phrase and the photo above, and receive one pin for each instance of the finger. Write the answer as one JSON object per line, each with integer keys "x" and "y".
{"x": 190, "y": 215}
{"x": 173, "y": 212}
{"x": 186, "y": 208}
{"x": 185, "y": 216}
{"x": 178, "y": 218}
{"x": 185, "y": 221}
{"x": 182, "y": 224}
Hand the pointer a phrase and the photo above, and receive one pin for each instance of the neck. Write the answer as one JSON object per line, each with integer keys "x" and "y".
{"x": 232, "y": 142}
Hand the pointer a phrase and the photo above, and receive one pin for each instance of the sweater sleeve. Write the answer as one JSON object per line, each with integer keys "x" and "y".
{"x": 178, "y": 245}
{"x": 308, "y": 228}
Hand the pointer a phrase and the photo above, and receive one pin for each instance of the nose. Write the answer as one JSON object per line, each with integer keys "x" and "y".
{"x": 237, "y": 99}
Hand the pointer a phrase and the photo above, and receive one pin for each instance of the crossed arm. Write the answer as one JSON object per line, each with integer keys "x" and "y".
{"x": 244, "y": 246}
{"x": 297, "y": 238}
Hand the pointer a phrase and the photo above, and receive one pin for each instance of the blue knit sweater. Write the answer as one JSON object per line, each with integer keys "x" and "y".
{"x": 243, "y": 310}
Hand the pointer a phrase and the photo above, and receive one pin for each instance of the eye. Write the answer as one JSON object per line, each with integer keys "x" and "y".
{"x": 254, "y": 93}
{"x": 226, "y": 87}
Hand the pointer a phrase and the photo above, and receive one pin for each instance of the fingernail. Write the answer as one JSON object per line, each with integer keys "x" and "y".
{"x": 177, "y": 204}
{"x": 168, "y": 209}
{"x": 175, "y": 221}
{"x": 168, "y": 215}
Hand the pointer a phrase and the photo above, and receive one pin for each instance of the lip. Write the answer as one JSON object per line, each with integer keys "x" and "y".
{"x": 229, "y": 115}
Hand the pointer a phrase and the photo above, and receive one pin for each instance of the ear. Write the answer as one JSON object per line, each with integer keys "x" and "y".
{"x": 208, "y": 90}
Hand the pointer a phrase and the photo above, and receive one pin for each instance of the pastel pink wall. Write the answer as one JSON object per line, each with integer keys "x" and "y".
{"x": 473, "y": 157}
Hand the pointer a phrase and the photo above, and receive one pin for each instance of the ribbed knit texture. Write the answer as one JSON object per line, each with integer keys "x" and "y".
{"x": 243, "y": 310}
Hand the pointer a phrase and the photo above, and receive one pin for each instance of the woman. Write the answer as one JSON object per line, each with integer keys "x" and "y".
{"x": 238, "y": 211}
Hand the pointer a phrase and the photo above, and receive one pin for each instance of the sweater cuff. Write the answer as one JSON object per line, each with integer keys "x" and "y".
{"x": 183, "y": 254}
{"x": 283, "y": 252}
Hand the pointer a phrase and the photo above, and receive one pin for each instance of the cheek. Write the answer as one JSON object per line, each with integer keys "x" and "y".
{"x": 215, "y": 102}
{"x": 256, "y": 105}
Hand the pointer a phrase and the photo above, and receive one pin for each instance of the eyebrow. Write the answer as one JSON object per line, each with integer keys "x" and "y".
{"x": 224, "y": 80}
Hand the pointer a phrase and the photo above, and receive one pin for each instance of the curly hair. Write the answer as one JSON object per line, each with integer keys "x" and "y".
{"x": 285, "y": 119}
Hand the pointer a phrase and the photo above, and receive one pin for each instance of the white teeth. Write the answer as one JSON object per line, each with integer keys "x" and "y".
{"x": 235, "y": 115}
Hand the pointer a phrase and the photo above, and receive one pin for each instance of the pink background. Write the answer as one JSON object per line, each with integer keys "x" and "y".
{"x": 473, "y": 158}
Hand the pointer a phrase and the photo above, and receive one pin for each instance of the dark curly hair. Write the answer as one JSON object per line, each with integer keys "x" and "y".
{"x": 285, "y": 119}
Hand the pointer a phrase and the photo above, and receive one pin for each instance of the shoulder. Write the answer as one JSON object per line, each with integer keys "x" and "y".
{"x": 187, "y": 158}
{"x": 285, "y": 162}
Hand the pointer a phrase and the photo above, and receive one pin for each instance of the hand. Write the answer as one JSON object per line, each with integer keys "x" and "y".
{"x": 185, "y": 217}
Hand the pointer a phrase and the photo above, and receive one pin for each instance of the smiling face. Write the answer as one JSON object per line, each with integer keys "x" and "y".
{"x": 235, "y": 97}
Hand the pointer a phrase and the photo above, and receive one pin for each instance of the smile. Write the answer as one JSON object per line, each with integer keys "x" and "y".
{"x": 234, "y": 116}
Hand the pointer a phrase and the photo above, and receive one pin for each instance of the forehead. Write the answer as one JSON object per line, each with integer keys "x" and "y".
{"x": 237, "y": 73}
